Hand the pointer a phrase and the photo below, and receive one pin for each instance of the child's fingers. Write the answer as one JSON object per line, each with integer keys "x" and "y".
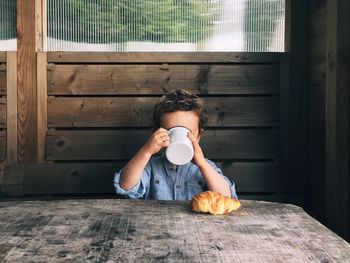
{"x": 162, "y": 139}
{"x": 165, "y": 144}
{"x": 164, "y": 136}
{"x": 160, "y": 134}
{"x": 160, "y": 130}
{"x": 192, "y": 139}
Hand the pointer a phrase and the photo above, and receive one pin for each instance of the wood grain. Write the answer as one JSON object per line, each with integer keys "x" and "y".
{"x": 163, "y": 57}
{"x": 317, "y": 91}
{"x": 2, "y": 145}
{"x": 317, "y": 52}
{"x": 284, "y": 113}
{"x": 137, "y": 111}
{"x": 316, "y": 169}
{"x": 13, "y": 180}
{"x": 27, "y": 96}
{"x": 317, "y": 55}
{"x": 298, "y": 101}
{"x": 12, "y": 108}
{"x": 2, "y": 112}
{"x": 2, "y": 79}
{"x": 42, "y": 104}
{"x": 40, "y": 20}
{"x": 113, "y": 230}
{"x": 337, "y": 182}
{"x": 158, "y": 79}
{"x": 123, "y": 144}
{"x": 298, "y": 82}
{"x": 2, "y": 57}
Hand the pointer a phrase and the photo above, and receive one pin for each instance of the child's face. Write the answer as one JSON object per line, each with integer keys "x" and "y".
{"x": 188, "y": 119}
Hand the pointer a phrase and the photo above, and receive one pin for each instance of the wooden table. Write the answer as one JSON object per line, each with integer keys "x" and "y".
{"x": 112, "y": 230}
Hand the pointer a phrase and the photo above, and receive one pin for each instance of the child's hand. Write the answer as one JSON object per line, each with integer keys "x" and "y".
{"x": 158, "y": 140}
{"x": 198, "y": 156}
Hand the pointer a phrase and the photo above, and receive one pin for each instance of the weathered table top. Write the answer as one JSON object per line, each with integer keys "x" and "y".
{"x": 162, "y": 231}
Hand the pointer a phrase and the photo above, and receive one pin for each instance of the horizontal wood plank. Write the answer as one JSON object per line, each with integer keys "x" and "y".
{"x": 158, "y": 79}
{"x": 93, "y": 178}
{"x": 123, "y": 144}
{"x": 70, "y": 178}
{"x": 164, "y": 57}
{"x": 263, "y": 177}
{"x": 2, "y": 79}
{"x": 2, "y": 145}
{"x": 2, "y": 112}
{"x": 137, "y": 111}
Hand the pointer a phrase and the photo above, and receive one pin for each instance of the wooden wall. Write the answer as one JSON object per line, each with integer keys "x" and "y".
{"x": 94, "y": 113}
{"x": 81, "y": 116}
{"x": 329, "y": 84}
{"x": 2, "y": 111}
{"x": 317, "y": 57}
{"x": 2, "y": 105}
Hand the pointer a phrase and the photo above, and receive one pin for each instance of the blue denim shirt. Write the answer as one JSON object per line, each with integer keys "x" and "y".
{"x": 161, "y": 180}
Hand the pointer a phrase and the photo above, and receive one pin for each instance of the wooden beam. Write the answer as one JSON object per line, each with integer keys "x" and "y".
{"x": 284, "y": 106}
{"x": 42, "y": 104}
{"x": 93, "y": 177}
{"x": 26, "y": 72}
{"x": 2, "y": 79}
{"x": 157, "y": 79}
{"x": 123, "y": 144}
{"x": 298, "y": 85}
{"x": 40, "y": 24}
{"x": 2, "y": 145}
{"x": 287, "y": 22}
{"x": 2, "y": 112}
{"x": 337, "y": 118}
{"x": 11, "y": 116}
{"x": 163, "y": 57}
{"x": 74, "y": 112}
{"x": 13, "y": 180}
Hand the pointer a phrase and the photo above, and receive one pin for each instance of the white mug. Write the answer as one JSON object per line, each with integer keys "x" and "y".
{"x": 180, "y": 151}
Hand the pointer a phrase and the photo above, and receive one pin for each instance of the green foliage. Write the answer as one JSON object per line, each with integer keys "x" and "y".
{"x": 260, "y": 22}
{"x": 124, "y": 20}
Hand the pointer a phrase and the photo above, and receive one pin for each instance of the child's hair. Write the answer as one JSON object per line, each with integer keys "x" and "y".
{"x": 179, "y": 100}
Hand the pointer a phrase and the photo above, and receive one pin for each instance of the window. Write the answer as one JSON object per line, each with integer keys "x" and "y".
{"x": 8, "y": 25}
{"x": 156, "y": 25}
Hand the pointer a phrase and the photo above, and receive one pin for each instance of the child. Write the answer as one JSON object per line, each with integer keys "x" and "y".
{"x": 150, "y": 177}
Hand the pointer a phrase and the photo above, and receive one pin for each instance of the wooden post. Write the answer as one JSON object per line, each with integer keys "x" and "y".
{"x": 40, "y": 25}
{"x": 287, "y": 26}
{"x": 11, "y": 117}
{"x": 26, "y": 73}
{"x": 298, "y": 89}
{"x": 42, "y": 105}
{"x": 337, "y": 117}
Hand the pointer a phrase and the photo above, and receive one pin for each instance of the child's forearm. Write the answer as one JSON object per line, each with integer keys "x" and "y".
{"x": 214, "y": 180}
{"x": 132, "y": 172}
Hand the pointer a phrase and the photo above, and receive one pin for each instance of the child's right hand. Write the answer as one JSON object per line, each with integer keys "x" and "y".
{"x": 158, "y": 140}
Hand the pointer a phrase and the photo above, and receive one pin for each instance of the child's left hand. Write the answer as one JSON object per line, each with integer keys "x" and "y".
{"x": 198, "y": 156}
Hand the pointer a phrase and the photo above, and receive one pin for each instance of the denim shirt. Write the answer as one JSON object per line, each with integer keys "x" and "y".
{"x": 161, "y": 180}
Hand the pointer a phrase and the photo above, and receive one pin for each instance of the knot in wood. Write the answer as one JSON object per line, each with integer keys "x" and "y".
{"x": 60, "y": 143}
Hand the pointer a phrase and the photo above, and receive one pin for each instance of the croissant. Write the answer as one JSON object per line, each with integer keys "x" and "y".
{"x": 214, "y": 203}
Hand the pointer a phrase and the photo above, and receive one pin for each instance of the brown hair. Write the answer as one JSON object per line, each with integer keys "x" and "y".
{"x": 179, "y": 100}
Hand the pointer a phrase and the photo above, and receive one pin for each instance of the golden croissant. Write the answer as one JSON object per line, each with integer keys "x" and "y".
{"x": 214, "y": 203}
